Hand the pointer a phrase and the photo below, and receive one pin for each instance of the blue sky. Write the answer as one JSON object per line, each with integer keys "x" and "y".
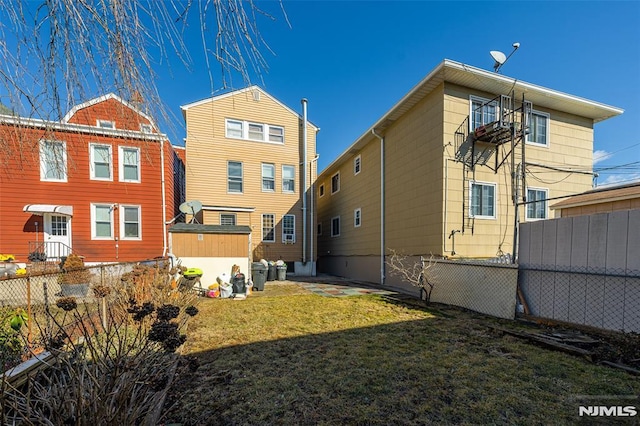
{"x": 353, "y": 60}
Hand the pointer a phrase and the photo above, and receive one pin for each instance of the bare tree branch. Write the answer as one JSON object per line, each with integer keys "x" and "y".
{"x": 419, "y": 274}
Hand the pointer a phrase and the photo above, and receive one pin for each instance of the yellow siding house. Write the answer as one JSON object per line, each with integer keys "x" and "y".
{"x": 249, "y": 164}
{"x": 445, "y": 170}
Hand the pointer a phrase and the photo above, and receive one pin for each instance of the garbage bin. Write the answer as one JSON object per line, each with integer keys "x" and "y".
{"x": 271, "y": 276}
{"x": 282, "y": 272}
{"x": 258, "y": 275}
{"x": 239, "y": 284}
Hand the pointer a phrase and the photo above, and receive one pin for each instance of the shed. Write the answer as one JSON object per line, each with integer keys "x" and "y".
{"x": 212, "y": 248}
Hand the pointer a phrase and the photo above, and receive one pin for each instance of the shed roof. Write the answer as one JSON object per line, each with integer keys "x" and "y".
{"x": 196, "y": 228}
{"x": 601, "y": 195}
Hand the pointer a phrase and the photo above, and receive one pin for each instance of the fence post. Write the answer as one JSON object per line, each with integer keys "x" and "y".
{"x": 29, "y": 313}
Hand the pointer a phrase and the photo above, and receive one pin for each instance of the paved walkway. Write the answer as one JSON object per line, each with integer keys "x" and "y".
{"x": 337, "y": 290}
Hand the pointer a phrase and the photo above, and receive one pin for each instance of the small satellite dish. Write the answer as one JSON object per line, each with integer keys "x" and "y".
{"x": 191, "y": 207}
{"x": 499, "y": 57}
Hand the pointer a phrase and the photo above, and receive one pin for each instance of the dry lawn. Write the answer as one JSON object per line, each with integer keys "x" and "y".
{"x": 288, "y": 357}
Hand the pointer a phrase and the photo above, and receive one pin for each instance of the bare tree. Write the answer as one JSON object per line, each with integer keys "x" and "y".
{"x": 418, "y": 273}
{"x": 55, "y": 54}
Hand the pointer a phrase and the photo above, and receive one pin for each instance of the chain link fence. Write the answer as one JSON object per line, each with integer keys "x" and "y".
{"x": 597, "y": 297}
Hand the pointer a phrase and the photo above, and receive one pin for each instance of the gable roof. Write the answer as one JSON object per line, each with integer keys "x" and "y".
{"x": 103, "y": 98}
{"x": 487, "y": 81}
{"x": 601, "y": 195}
{"x": 239, "y": 92}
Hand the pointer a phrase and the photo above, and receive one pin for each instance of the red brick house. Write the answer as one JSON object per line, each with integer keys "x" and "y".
{"x": 99, "y": 183}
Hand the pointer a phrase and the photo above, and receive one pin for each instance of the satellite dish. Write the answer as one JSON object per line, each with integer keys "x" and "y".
{"x": 499, "y": 57}
{"x": 191, "y": 207}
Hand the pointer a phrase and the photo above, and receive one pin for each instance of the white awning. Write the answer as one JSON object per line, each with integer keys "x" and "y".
{"x": 41, "y": 209}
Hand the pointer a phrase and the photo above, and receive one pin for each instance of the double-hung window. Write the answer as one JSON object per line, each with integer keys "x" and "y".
{"x": 537, "y": 204}
{"x": 269, "y": 228}
{"x": 130, "y": 223}
{"x": 252, "y": 131}
{"x": 483, "y": 112}
{"x": 102, "y": 221}
{"x": 234, "y": 177}
{"x": 538, "y": 128}
{"x": 335, "y": 226}
{"x": 483, "y": 200}
{"x": 357, "y": 218}
{"x": 288, "y": 179}
{"x": 235, "y": 129}
{"x": 129, "y": 164}
{"x": 357, "y": 164}
{"x": 288, "y": 228}
{"x": 268, "y": 177}
{"x": 256, "y": 132}
{"x": 101, "y": 167}
{"x": 276, "y": 134}
{"x": 321, "y": 190}
{"x": 335, "y": 183}
{"x": 53, "y": 161}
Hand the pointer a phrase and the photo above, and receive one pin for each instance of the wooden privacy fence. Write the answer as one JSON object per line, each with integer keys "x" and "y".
{"x": 583, "y": 269}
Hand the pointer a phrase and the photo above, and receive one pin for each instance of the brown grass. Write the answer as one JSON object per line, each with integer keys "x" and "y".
{"x": 285, "y": 356}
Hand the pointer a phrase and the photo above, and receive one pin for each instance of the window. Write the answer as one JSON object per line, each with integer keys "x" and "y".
{"x": 276, "y": 134}
{"x": 129, "y": 164}
{"x": 101, "y": 221}
{"x": 59, "y": 226}
{"x": 335, "y": 183}
{"x": 321, "y": 190}
{"x": 106, "y": 124}
{"x": 234, "y": 177}
{"x": 288, "y": 179}
{"x": 288, "y": 228}
{"x": 538, "y": 128}
{"x": 227, "y": 219}
{"x": 357, "y": 164}
{"x": 483, "y": 200}
{"x": 319, "y": 229}
{"x": 538, "y": 208}
{"x": 268, "y": 177}
{"x": 268, "y": 228}
{"x": 234, "y": 129}
{"x": 482, "y": 112}
{"x": 357, "y": 218}
{"x": 146, "y": 128}
{"x": 335, "y": 226}
{"x": 130, "y": 223}
{"x": 256, "y": 132}
{"x": 100, "y": 165}
{"x": 259, "y": 132}
{"x": 53, "y": 161}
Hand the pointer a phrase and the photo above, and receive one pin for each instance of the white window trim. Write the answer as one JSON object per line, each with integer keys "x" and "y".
{"x": 121, "y": 214}
{"x": 111, "y": 124}
{"x": 473, "y": 98}
{"x": 92, "y": 170}
{"x": 294, "y": 179}
{"x": 273, "y": 167}
{"x": 321, "y": 190}
{"x": 495, "y": 199}
{"x": 262, "y": 228}
{"x": 293, "y": 239}
{"x": 235, "y": 218}
{"x": 245, "y": 131}
{"x": 121, "y": 164}
{"x": 339, "y": 226}
{"x": 331, "y": 183}
{"x": 241, "y": 177}
{"x": 146, "y": 128}
{"x": 548, "y": 117}
{"x": 546, "y": 207}
{"x": 357, "y": 213}
{"x": 357, "y": 165}
{"x": 43, "y": 177}
{"x": 93, "y": 221}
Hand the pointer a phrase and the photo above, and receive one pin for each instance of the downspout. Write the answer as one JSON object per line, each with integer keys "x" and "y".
{"x": 313, "y": 195}
{"x": 164, "y": 201}
{"x": 382, "y": 217}
{"x": 304, "y": 180}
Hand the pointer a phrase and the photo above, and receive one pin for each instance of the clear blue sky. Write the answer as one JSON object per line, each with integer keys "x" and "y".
{"x": 354, "y": 60}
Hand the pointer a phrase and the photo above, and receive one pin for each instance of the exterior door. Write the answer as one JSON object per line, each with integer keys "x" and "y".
{"x": 57, "y": 235}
